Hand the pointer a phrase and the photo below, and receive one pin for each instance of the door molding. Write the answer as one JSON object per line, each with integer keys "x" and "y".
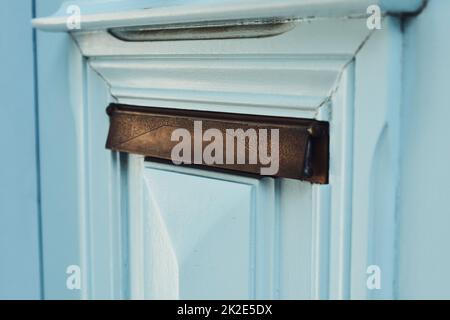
{"x": 326, "y": 69}
{"x": 101, "y": 15}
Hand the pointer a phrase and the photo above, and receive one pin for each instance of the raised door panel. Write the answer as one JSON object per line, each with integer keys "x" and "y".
{"x": 208, "y": 235}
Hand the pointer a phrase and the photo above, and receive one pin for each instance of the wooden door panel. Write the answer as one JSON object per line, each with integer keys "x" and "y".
{"x": 203, "y": 233}
{"x": 288, "y": 239}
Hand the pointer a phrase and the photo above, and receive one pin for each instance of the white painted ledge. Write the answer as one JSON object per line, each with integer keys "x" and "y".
{"x": 100, "y": 15}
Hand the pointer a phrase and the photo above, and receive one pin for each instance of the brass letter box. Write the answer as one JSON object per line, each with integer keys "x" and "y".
{"x": 247, "y": 144}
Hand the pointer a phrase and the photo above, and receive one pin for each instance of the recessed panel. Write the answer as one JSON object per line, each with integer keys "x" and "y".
{"x": 201, "y": 234}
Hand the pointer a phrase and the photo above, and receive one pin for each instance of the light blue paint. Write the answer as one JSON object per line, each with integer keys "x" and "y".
{"x": 19, "y": 209}
{"x": 104, "y": 216}
{"x": 217, "y": 236}
{"x": 146, "y": 230}
{"x": 151, "y": 12}
{"x": 111, "y": 6}
{"x": 206, "y": 235}
{"x": 424, "y": 214}
{"x": 60, "y": 101}
{"x": 375, "y": 159}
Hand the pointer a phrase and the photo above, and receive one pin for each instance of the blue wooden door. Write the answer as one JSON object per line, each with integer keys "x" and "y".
{"x": 139, "y": 229}
{"x": 78, "y": 221}
{"x": 218, "y": 236}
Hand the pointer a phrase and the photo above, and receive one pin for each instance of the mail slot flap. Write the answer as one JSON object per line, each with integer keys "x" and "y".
{"x": 258, "y": 145}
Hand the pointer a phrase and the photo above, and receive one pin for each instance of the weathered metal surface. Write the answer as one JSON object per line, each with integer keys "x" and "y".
{"x": 205, "y": 31}
{"x": 303, "y": 143}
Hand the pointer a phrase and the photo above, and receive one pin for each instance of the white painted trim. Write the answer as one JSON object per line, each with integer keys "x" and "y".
{"x": 290, "y": 75}
{"x": 136, "y": 218}
{"x": 320, "y": 242}
{"x": 375, "y": 160}
{"x": 341, "y": 154}
{"x": 278, "y": 85}
{"x": 108, "y": 14}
